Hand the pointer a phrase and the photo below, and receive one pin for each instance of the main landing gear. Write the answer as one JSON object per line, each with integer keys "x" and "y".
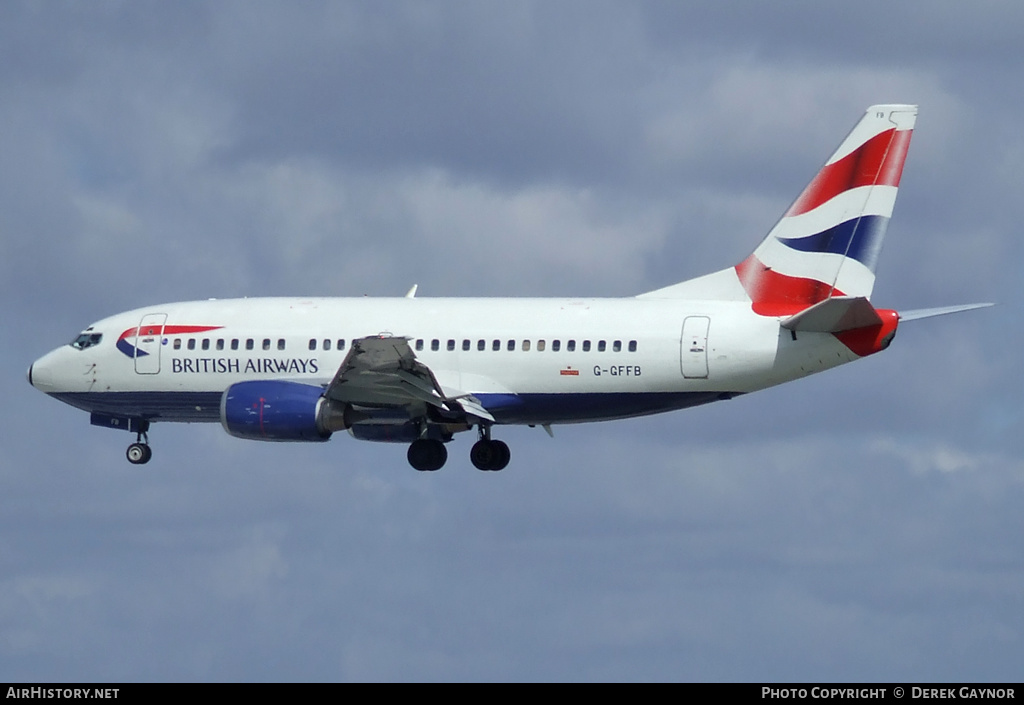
{"x": 489, "y": 454}
{"x": 139, "y": 452}
{"x": 429, "y": 454}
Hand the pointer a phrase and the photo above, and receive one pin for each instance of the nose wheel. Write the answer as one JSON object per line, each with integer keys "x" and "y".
{"x": 139, "y": 452}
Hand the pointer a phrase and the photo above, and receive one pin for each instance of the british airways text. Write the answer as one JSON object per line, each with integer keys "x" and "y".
{"x": 234, "y": 365}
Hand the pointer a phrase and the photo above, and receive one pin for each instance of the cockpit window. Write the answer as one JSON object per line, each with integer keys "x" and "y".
{"x": 86, "y": 340}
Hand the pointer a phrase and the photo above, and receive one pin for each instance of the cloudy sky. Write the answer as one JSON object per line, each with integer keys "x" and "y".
{"x": 865, "y": 524}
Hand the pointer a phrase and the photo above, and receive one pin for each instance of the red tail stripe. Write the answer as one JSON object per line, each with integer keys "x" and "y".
{"x": 775, "y": 294}
{"x": 877, "y": 162}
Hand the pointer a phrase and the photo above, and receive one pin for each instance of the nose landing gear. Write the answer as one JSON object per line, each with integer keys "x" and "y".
{"x": 139, "y": 452}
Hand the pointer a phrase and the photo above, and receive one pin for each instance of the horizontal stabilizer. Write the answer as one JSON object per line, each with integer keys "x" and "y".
{"x": 834, "y": 315}
{"x": 942, "y": 311}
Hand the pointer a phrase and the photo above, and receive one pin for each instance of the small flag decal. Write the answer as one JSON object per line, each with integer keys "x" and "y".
{"x": 569, "y": 372}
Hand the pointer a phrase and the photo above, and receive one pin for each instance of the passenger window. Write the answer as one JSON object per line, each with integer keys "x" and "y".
{"x": 465, "y": 344}
{"x": 312, "y": 343}
{"x": 511, "y": 345}
{"x": 496, "y": 345}
{"x": 451, "y": 345}
{"x": 481, "y": 345}
{"x": 586, "y": 346}
{"x": 280, "y": 343}
{"x": 266, "y": 343}
{"x": 220, "y": 343}
{"x": 341, "y": 343}
{"x": 632, "y": 346}
{"x": 526, "y": 346}
{"x": 191, "y": 343}
{"x": 327, "y": 344}
{"x": 617, "y": 346}
{"x": 570, "y": 345}
{"x": 541, "y": 345}
{"x": 435, "y": 344}
{"x": 250, "y": 343}
{"x": 556, "y": 345}
{"x": 177, "y": 343}
{"x": 206, "y": 343}
{"x": 419, "y": 344}
{"x": 234, "y": 343}
{"x": 600, "y": 346}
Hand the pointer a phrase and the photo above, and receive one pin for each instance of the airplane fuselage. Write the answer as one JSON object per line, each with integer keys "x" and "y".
{"x": 528, "y": 361}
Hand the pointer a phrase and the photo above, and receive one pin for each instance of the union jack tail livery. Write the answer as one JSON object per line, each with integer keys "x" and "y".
{"x": 827, "y": 243}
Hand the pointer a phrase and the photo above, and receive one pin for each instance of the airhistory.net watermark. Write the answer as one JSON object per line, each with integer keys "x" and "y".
{"x": 62, "y": 693}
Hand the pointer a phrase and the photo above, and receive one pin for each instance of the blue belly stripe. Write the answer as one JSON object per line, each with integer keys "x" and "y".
{"x": 595, "y": 406}
{"x": 194, "y": 407}
{"x": 155, "y": 406}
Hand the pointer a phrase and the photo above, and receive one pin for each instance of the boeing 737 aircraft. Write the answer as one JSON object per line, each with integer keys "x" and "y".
{"x": 419, "y": 370}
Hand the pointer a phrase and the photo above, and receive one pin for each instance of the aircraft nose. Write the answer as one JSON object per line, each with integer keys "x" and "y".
{"x": 45, "y": 374}
{"x": 39, "y": 375}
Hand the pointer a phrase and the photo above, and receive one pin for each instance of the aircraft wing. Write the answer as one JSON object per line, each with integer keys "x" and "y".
{"x": 382, "y": 371}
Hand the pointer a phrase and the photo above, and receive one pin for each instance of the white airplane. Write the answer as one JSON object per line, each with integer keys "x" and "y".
{"x": 419, "y": 370}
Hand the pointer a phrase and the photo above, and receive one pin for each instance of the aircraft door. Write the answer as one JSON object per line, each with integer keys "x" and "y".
{"x": 148, "y": 340}
{"x": 693, "y": 347}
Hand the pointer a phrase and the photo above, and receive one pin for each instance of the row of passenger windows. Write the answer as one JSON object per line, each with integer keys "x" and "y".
{"x": 435, "y": 344}
{"x": 235, "y": 343}
{"x": 327, "y": 344}
{"x": 527, "y": 345}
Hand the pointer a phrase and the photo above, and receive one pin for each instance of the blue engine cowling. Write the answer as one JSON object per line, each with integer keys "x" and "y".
{"x": 269, "y": 410}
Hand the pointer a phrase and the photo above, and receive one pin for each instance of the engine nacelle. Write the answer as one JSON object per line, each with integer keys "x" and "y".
{"x": 390, "y": 425}
{"x": 386, "y": 433}
{"x": 269, "y": 410}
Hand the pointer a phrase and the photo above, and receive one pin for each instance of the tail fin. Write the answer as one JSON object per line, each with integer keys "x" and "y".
{"x": 827, "y": 243}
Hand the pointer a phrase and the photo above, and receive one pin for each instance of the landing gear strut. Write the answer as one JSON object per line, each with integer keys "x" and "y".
{"x": 488, "y": 454}
{"x": 139, "y": 452}
{"x": 427, "y": 454}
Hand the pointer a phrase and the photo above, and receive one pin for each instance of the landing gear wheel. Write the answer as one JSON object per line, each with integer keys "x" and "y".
{"x": 481, "y": 455}
{"x": 427, "y": 455}
{"x": 139, "y": 453}
{"x": 501, "y": 456}
{"x": 490, "y": 455}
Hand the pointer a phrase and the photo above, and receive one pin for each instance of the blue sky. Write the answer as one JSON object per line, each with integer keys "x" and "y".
{"x": 863, "y": 524}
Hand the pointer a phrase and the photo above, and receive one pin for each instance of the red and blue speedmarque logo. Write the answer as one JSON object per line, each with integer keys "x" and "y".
{"x": 154, "y": 331}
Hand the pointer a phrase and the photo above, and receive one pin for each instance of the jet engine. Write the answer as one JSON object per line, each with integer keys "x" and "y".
{"x": 270, "y": 410}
